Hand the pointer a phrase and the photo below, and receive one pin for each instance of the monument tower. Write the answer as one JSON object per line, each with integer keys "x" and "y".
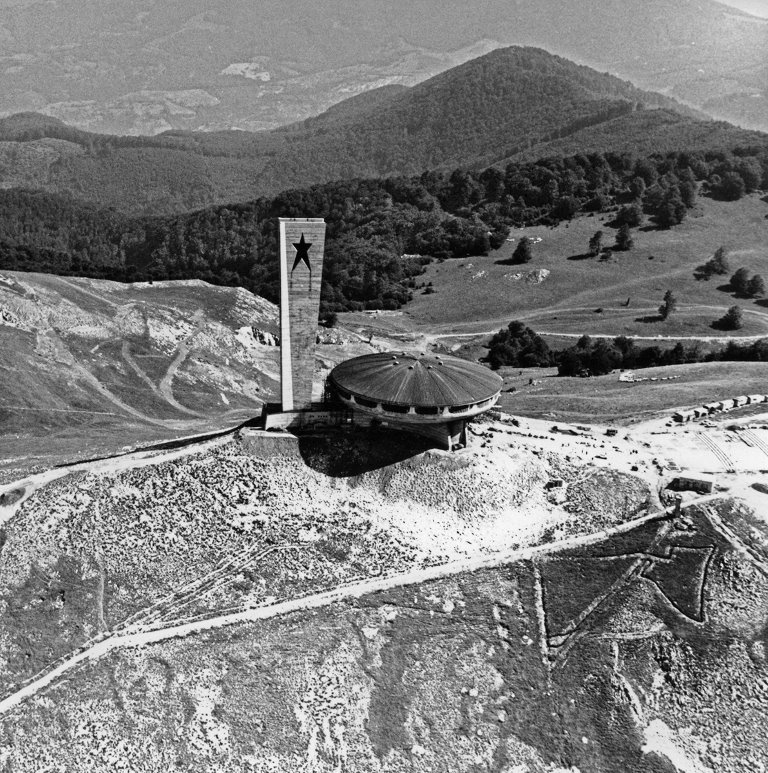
{"x": 426, "y": 394}
{"x": 302, "y": 245}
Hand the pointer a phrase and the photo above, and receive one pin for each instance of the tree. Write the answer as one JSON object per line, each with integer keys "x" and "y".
{"x": 688, "y": 193}
{"x": 669, "y": 305}
{"x": 646, "y": 169}
{"x": 522, "y": 253}
{"x": 671, "y": 211}
{"x": 603, "y": 358}
{"x": 569, "y": 363}
{"x": 598, "y": 203}
{"x": 624, "y": 239}
{"x": 519, "y": 346}
{"x": 596, "y": 244}
{"x": 631, "y": 215}
{"x": 740, "y": 281}
{"x": 756, "y": 286}
{"x": 598, "y": 357}
{"x": 718, "y": 263}
{"x": 551, "y": 191}
{"x": 731, "y": 320}
{"x": 463, "y": 190}
{"x": 637, "y": 187}
{"x": 751, "y": 173}
{"x": 628, "y": 350}
{"x": 493, "y": 180}
{"x": 566, "y": 207}
{"x": 732, "y": 186}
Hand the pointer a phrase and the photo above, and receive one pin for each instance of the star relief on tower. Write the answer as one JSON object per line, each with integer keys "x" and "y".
{"x": 302, "y": 253}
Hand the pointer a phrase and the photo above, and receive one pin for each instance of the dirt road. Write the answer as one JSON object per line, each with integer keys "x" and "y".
{"x": 459, "y": 330}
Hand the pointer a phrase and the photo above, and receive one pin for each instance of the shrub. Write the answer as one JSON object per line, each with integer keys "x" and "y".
{"x": 523, "y": 252}
{"x": 624, "y": 239}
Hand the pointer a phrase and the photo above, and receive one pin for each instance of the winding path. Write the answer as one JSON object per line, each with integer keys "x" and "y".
{"x": 166, "y": 383}
{"x": 529, "y": 316}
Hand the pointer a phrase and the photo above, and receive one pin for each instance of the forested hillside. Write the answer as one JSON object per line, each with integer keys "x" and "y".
{"x": 512, "y": 104}
{"x": 644, "y": 132}
{"x": 381, "y": 232}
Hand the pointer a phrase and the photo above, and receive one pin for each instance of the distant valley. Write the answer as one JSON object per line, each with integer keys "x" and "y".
{"x": 142, "y": 68}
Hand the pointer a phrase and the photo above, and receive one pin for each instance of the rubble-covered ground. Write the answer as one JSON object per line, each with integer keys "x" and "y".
{"x": 257, "y": 520}
{"x": 642, "y": 653}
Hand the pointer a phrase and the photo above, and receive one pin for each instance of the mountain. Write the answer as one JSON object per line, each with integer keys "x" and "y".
{"x": 139, "y": 67}
{"x": 468, "y": 116}
{"x": 642, "y": 133}
{"x": 496, "y": 107}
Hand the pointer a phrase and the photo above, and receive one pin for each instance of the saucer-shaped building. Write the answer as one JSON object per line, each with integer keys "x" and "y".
{"x": 427, "y": 394}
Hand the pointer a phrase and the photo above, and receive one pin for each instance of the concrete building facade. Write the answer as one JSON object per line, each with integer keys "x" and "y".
{"x": 427, "y": 394}
{"x": 302, "y": 248}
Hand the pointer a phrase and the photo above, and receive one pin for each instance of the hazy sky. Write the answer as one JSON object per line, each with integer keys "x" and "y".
{"x": 756, "y": 7}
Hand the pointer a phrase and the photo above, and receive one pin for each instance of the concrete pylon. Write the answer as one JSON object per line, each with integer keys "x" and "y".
{"x": 302, "y": 247}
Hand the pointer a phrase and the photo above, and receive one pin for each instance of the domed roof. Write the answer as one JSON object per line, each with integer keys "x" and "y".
{"x": 400, "y": 378}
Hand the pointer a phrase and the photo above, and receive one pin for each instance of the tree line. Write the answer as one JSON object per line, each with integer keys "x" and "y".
{"x": 519, "y": 346}
{"x": 381, "y": 232}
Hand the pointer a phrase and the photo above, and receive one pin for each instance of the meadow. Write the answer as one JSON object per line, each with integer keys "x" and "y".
{"x": 605, "y": 399}
{"x": 582, "y": 294}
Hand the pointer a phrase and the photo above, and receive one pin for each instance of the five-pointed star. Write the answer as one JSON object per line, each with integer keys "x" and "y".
{"x": 302, "y": 253}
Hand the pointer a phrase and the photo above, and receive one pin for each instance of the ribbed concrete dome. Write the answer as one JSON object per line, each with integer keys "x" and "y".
{"x": 416, "y": 380}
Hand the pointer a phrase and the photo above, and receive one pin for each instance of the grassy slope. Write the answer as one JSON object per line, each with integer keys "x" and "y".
{"x": 605, "y": 399}
{"x": 566, "y": 300}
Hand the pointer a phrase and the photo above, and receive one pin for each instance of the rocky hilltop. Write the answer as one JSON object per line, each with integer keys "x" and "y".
{"x": 90, "y": 366}
{"x": 357, "y": 603}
